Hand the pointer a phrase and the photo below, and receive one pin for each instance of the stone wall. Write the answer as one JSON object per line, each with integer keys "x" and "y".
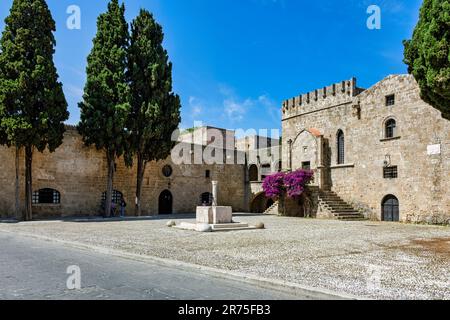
{"x": 423, "y": 180}
{"x": 79, "y": 174}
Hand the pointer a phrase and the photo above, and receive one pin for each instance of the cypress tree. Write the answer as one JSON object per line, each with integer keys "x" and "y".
{"x": 155, "y": 108}
{"x": 105, "y": 107}
{"x": 428, "y": 54}
{"x": 32, "y": 103}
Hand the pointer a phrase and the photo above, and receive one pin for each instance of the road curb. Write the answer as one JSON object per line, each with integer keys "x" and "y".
{"x": 279, "y": 285}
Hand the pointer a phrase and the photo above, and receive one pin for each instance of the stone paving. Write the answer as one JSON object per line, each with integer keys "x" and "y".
{"x": 367, "y": 259}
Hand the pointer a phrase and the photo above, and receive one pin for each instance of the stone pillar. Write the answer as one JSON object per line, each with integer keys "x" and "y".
{"x": 214, "y": 193}
{"x": 290, "y": 142}
{"x": 320, "y": 163}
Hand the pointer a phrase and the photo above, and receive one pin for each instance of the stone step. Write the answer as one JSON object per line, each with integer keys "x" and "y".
{"x": 271, "y": 210}
{"x": 347, "y": 214}
{"x": 332, "y": 200}
{"x": 352, "y": 218}
{"x": 235, "y": 229}
{"x": 337, "y": 204}
{"x": 343, "y": 210}
{"x": 229, "y": 226}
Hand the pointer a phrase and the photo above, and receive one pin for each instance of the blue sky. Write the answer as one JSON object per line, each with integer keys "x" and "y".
{"x": 236, "y": 60}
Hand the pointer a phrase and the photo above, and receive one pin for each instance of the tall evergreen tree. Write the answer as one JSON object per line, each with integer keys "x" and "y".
{"x": 428, "y": 54}
{"x": 105, "y": 106}
{"x": 32, "y": 103}
{"x": 155, "y": 108}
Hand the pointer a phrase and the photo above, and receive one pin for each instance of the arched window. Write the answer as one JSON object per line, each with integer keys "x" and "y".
{"x": 167, "y": 171}
{"x": 116, "y": 196}
{"x": 390, "y": 129}
{"x": 46, "y": 196}
{"x": 340, "y": 147}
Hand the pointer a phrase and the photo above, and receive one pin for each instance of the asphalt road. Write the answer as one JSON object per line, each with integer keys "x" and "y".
{"x": 36, "y": 269}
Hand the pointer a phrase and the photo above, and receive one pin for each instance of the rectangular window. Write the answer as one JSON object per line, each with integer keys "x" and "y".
{"x": 390, "y": 100}
{"x": 390, "y": 172}
{"x": 266, "y": 170}
{"x": 207, "y": 174}
{"x": 306, "y": 165}
{"x": 46, "y": 196}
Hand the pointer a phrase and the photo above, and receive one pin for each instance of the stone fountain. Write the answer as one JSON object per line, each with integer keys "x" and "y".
{"x": 214, "y": 217}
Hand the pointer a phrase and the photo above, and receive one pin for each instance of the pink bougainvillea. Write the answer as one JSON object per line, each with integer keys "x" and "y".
{"x": 293, "y": 183}
{"x": 273, "y": 185}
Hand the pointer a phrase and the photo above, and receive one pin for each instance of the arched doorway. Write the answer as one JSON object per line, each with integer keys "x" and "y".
{"x": 261, "y": 203}
{"x": 253, "y": 175}
{"x": 165, "y": 202}
{"x": 390, "y": 209}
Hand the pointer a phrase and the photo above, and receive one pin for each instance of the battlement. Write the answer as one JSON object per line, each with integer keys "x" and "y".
{"x": 328, "y": 96}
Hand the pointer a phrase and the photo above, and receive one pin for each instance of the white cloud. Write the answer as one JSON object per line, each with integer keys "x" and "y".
{"x": 195, "y": 106}
{"x": 74, "y": 91}
{"x": 236, "y": 110}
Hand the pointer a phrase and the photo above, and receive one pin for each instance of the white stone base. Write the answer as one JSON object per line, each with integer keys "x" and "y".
{"x": 214, "y": 215}
{"x": 201, "y": 227}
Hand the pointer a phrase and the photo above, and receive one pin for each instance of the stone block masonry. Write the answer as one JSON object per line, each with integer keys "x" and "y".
{"x": 420, "y": 178}
{"x": 78, "y": 173}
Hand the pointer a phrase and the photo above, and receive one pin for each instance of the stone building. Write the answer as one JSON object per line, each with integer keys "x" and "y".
{"x": 381, "y": 152}
{"x": 72, "y": 181}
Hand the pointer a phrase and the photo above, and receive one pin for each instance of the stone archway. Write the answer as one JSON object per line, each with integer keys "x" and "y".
{"x": 261, "y": 203}
{"x": 304, "y": 151}
{"x": 390, "y": 209}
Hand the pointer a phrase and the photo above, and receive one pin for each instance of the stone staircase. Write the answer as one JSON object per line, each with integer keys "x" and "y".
{"x": 273, "y": 210}
{"x": 337, "y": 207}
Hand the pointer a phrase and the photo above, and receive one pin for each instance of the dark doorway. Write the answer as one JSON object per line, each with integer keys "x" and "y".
{"x": 306, "y": 165}
{"x": 206, "y": 199}
{"x": 391, "y": 209}
{"x": 165, "y": 202}
{"x": 269, "y": 203}
{"x": 253, "y": 173}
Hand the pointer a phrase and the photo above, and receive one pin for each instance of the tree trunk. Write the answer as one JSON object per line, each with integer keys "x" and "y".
{"x": 109, "y": 185}
{"x": 28, "y": 183}
{"x": 140, "y": 178}
{"x": 17, "y": 189}
{"x": 282, "y": 206}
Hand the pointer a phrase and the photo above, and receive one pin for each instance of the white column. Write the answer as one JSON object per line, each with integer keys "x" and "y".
{"x": 214, "y": 193}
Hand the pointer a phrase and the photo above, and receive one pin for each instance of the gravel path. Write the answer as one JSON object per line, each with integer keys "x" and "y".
{"x": 367, "y": 259}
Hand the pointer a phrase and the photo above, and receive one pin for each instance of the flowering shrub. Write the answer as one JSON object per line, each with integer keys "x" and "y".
{"x": 273, "y": 185}
{"x": 293, "y": 184}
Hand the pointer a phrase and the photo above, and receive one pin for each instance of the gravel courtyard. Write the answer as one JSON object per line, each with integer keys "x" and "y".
{"x": 366, "y": 259}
